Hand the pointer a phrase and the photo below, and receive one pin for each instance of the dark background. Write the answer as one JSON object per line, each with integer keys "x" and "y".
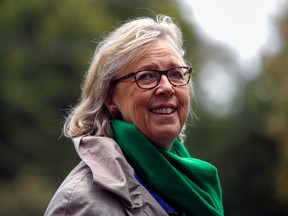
{"x": 45, "y": 49}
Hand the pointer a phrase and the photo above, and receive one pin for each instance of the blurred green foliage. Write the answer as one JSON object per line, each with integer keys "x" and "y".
{"x": 250, "y": 146}
{"x": 45, "y": 49}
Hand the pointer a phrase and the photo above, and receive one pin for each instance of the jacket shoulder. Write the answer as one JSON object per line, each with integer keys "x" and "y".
{"x": 77, "y": 195}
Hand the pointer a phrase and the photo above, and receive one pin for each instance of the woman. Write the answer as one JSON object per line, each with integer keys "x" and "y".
{"x": 128, "y": 130}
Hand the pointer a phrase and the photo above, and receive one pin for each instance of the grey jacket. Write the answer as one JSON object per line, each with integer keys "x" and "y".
{"x": 103, "y": 184}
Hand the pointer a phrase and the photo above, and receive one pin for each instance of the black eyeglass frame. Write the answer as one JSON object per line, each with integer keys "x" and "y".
{"x": 161, "y": 72}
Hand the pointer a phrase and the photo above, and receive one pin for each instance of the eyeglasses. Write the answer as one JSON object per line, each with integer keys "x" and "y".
{"x": 148, "y": 79}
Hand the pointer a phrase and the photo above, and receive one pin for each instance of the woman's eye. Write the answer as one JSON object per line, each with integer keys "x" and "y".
{"x": 145, "y": 76}
{"x": 176, "y": 75}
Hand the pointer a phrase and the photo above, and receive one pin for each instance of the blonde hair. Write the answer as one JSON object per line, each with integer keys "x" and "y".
{"x": 123, "y": 46}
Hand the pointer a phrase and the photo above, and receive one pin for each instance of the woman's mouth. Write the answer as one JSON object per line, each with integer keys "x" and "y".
{"x": 163, "y": 111}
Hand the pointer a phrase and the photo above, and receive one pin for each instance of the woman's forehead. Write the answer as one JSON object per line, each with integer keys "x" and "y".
{"x": 160, "y": 54}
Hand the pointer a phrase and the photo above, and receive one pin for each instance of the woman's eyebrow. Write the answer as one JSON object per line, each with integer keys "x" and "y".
{"x": 148, "y": 67}
{"x": 155, "y": 66}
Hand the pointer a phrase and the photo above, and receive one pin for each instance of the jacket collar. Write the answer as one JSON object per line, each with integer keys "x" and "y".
{"x": 109, "y": 167}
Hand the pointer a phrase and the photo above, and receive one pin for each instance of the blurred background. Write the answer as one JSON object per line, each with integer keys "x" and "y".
{"x": 239, "y": 55}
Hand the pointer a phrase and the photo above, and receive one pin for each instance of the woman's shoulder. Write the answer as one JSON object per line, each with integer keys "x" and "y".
{"x": 99, "y": 184}
{"x": 65, "y": 194}
{"x": 78, "y": 195}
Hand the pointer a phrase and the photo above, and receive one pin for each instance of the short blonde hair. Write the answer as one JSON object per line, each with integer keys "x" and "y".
{"x": 122, "y": 47}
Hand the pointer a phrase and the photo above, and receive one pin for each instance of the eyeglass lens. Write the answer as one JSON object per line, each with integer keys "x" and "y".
{"x": 151, "y": 78}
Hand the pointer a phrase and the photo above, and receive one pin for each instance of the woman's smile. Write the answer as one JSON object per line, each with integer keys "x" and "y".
{"x": 163, "y": 109}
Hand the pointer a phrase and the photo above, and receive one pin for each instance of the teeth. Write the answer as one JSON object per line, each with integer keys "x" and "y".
{"x": 163, "y": 111}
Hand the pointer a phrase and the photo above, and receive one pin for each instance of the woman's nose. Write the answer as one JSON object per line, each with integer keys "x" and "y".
{"x": 164, "y": 86}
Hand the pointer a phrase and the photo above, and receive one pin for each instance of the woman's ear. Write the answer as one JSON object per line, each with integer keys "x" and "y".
{"x": 109, "y": 103}
{"x": 112, "y": 107}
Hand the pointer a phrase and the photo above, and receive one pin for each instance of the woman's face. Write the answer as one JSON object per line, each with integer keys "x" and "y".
{"x": 159, "y": 113}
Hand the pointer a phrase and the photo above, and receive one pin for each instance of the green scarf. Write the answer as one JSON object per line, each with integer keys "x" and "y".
{"x": 189, "y": 185}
